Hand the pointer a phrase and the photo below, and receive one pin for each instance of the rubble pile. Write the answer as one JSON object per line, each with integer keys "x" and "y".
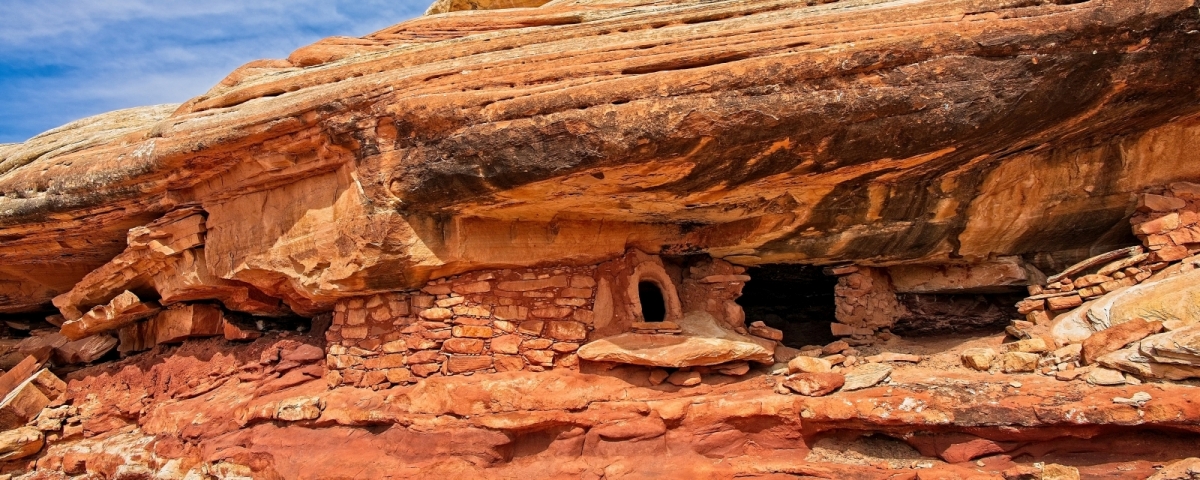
{"x": 1125, "y": 316}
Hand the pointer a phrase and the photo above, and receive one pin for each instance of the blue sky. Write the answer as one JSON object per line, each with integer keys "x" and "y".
{"x": 62, "y": 60}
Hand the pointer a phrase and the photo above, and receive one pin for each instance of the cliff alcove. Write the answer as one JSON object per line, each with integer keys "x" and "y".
{"x": 628, "y": 239}
{"x": 798, "y": 300}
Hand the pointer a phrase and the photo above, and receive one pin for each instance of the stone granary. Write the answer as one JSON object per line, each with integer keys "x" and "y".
{"x": 628, "y": 238}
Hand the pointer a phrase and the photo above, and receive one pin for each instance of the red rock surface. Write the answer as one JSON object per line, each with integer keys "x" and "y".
{"x": 515, "y": 243}
{"x": 243, "y": 409}
{"x": 757, "y": 131}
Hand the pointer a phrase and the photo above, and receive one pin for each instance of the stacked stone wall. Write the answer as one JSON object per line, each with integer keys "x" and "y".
{"x": 1168, "y": 221}
{"x": 485, "y": 321}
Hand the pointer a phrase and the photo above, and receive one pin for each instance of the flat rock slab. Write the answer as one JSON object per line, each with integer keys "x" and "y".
{"x": 702, "y": 342}
{"x": 866, "y": 376}
{"x": 1180, "y": 346}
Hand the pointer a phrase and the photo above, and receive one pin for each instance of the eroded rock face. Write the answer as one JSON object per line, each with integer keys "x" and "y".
{"x": 749, "y": 130}
{"x": 519, "y": 237}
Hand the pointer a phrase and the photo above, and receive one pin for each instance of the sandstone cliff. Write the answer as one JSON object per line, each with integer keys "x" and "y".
{"x": 755, "y": 131}
{"x": 610, "y": 238}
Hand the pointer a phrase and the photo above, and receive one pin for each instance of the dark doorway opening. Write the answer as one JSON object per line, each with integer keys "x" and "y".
{"x": 941, "y": 314}
{"x": 796, "y": 299}
{"x": 654, "y": 307}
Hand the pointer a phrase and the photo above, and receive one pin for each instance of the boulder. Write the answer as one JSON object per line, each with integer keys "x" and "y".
{"x": 1105, "y": 377}
{"x": 809, "y": 365}
{"x": 1019, "y": 362}
{"x": 866, "y": 376}
{"x": 835, "y": 347}
{"x": 814, "y": 384}
{"x": 1117, "y": 337}
{"x": 703, "y": 341}
{"x": 1067, "y": 354}
{"x": 978, "y": 358}
{"x": 1031, "y": 345}
{"x": 20, "y": 443}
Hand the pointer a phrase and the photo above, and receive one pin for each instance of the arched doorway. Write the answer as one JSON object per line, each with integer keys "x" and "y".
{"x": 653, "y": 304}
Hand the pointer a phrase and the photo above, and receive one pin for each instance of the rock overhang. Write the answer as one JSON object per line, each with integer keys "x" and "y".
{"x": 674, "y": 129}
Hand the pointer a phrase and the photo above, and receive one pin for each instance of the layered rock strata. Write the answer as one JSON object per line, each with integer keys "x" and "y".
{"x": 755, "y": 131}
{"x": 513, "y": 243}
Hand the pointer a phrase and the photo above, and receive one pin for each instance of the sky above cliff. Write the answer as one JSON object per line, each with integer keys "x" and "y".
{"x": 65, "y": 60}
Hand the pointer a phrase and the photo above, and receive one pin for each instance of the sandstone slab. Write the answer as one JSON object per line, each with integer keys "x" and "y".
{"x": 1116, "y": 338}
{"x": 814, "y": 384}
{"x": 866, "y": 376}
{"x": 703, "y": 342}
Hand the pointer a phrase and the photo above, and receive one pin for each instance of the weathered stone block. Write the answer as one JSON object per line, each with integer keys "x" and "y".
{"x": 1116, "y": 337}
{"x": 511, "y": 312}
{"x": 558, "y": 281}
{"x": 536, "y": 344}
{"x": 582, "y": 281}
{"x": 551, "y": 312}
{"x": 425, "y": 369}
{"x": 463, "y": 345}
{"x": 509, "y": 344}
{"x": 472, "y": 311}
{"x": 178, "y": 323}
{"x": 1064, "y": 303}
{"x": 509, "y": 363}
{"x": 540, "y": 357}
{"x": 978, "y": 358}
{"x": 425, "y": 356}
{"x": 393, "y": 360}
{"x": 473, "y": 331}
{"x": 473, "y": 287}
{"x": 531, "y": 328}
{"x": 1150, "y": 202}
{"x": 357, "y": 316}
{"x": 462, "y": 363}
{"x": 809, "y": 365}
{"x": 1157, "y": 226}
{"x": 399, "y": 375}
{"x": 1018, "y": 362}
{"x": 566, "y": 330}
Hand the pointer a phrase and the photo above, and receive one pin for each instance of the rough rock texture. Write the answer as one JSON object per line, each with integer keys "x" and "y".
{"x": 758, "y": 131}
{"x": 513, "y": 243}
{"x": 257, "y": 411}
